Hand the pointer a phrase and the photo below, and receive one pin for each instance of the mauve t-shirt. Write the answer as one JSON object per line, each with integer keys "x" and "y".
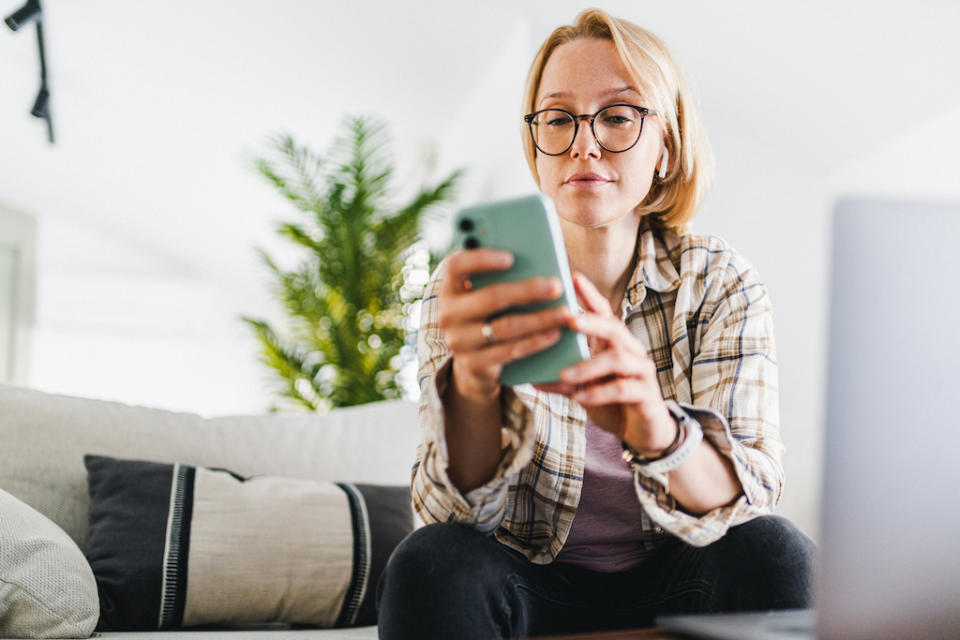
{"x": 606, "y": 530}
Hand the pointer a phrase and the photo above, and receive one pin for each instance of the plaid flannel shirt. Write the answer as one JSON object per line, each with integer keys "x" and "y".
{"x": 706, "y": 320}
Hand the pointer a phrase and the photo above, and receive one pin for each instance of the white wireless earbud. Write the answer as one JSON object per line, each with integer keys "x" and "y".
{"x": 664, "y": 162}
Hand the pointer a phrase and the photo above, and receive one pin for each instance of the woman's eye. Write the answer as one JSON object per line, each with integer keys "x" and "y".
{"x": 616, "y": 120}
{"x": 558, "y": 122}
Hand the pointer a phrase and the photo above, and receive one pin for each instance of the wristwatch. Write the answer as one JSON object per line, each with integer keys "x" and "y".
{"x": 689, "y": 437}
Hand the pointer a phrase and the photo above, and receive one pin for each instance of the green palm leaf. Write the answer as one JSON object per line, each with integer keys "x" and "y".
{"x": 342, "y": 343}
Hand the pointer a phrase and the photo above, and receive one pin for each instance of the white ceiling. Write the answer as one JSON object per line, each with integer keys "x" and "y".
{"x": 160, "y": 106}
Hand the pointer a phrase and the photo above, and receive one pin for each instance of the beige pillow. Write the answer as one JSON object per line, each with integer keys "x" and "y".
{"x": 47, "y": 589}
{"x": 176, "y": 546}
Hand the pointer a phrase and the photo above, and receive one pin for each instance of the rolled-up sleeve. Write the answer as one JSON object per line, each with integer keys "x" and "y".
{"x": 733, "y": 384}
{"x": 434, "y": 496}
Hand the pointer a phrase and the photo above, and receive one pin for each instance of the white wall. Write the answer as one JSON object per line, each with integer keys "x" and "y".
{"x": 919, "y": 161}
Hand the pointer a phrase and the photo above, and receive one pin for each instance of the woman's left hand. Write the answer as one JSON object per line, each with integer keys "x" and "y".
{"x": 618, "y": 384}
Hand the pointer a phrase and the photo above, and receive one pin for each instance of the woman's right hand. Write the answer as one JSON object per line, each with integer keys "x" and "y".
{"x": 463, "y": 311}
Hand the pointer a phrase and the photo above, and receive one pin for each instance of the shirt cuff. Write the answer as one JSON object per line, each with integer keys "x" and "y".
{"x": 483, "y": 506}
{"x": 716, "y": 429}
{"x": 662, "y": 508}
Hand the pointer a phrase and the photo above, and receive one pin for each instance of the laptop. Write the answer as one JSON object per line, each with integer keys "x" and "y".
{"x": 890, "y": 540}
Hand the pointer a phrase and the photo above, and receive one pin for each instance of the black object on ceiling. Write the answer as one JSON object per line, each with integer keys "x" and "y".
{"x": 24, "y": 15}
{"x": 31, "y": 12}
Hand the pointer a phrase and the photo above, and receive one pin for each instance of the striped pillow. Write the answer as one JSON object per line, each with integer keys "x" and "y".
{"x": 176, "y": 546}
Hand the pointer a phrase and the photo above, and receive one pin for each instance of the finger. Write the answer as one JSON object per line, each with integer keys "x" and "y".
{"x": 607, "y": 327}
{"x": 617, "y": 391}
{"x": 461, "y": 264}
{"x": 610, "y": 363}
{"x": 592, "y": 299}
{"x": 490, "y": 300}
{"x": 518, "y": 325}
{"x": 502, "y": 353}
{"x": 506, "y": 328}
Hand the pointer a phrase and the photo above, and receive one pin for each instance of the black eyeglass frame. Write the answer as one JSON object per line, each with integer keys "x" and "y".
{"x": 643, "y": 111}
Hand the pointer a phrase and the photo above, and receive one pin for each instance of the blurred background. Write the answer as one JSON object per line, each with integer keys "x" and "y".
{"x": 130, "y": 241}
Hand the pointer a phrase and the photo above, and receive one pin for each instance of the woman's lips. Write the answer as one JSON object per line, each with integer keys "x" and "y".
{"x": 586, "y": 180}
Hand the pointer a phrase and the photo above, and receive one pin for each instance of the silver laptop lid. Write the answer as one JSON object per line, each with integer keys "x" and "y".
{"x": 891, "y": 487}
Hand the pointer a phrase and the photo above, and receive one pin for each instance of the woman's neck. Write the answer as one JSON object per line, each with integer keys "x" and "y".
{"x": 604, "y": 254}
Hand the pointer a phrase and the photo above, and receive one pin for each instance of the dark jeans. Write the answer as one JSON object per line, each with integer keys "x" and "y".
{"x": 450, "y": 581}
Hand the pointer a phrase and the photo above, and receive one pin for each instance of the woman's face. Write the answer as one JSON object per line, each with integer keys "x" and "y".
{"x": 590, "y": 186}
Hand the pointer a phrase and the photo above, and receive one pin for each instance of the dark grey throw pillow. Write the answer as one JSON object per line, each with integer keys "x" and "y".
{"x": 176, "y": 546}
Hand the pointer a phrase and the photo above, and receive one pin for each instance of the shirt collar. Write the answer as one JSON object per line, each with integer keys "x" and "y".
{"x": 654, "y": 269}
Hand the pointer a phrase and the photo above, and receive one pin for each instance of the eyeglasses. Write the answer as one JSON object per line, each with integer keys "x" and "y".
{"x": 616, "y": 128}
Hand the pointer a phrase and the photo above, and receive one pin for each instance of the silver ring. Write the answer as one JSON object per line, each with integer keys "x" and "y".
{"x": 487, "y": 331}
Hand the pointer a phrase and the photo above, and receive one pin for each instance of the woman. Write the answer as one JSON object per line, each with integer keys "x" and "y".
{"x": 642, "y": 482}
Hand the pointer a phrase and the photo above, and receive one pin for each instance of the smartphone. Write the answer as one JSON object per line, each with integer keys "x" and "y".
{"x": 528, "y": 228}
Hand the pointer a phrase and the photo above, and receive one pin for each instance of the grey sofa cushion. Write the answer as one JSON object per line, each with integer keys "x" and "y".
{"x": 374, "y": 444}
{"x": 251, "y": 550}
{"x": 47, "y": 589}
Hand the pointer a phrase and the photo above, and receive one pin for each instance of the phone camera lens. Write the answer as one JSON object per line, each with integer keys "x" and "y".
{"x": 466, "y": 225}
{"x": 471, "y": 243}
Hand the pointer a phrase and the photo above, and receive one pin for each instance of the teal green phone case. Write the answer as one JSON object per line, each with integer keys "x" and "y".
{"x": 529, "y": 229}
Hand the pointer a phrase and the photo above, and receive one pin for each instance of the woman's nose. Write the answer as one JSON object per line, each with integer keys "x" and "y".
{"x": 584, "y": 142}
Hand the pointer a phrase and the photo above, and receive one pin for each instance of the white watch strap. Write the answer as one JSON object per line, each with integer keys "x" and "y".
{"x": 692, "y": 437}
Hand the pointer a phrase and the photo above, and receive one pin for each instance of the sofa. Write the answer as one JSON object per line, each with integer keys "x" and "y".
{"x": 149, "y": 523}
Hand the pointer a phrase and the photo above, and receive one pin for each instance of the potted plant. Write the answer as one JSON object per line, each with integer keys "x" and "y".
{"x": 343, "y": 343}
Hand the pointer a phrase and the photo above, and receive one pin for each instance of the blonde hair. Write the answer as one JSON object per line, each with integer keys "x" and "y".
{"x": 674, "y": 199}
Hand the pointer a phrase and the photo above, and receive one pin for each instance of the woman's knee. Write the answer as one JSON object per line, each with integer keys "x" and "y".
{"x": 435, "y": 558}
{"x": 772, "y": 561}
{"x": 779, "y": 542}
{"x": 437, "y": 548}
{"x": 441, "y": 579}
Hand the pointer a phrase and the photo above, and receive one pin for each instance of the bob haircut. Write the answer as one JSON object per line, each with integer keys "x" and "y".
{"x": 673, "y": 200}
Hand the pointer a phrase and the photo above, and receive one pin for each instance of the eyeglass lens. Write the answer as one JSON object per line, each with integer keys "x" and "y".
{"x": 617, "y": 129}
